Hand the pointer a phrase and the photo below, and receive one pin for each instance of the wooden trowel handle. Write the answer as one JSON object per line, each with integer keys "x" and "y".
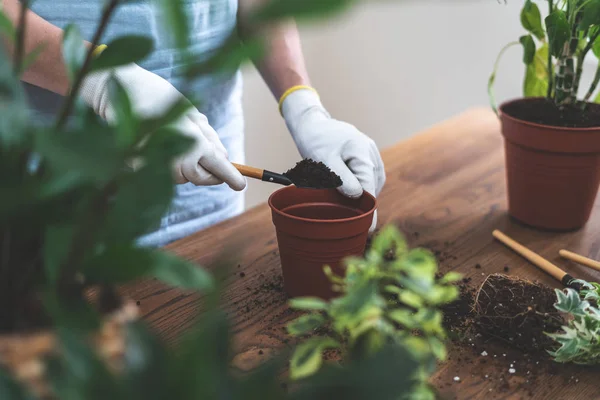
{"x": 249, "y": 172}
{"x": 262, "y": 174}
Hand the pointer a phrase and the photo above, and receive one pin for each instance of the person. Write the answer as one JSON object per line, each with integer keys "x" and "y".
{"x": 209, "y": 188}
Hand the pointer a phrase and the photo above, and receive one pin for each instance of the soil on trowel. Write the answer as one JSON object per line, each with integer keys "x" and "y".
{"x": 312, "y": 174}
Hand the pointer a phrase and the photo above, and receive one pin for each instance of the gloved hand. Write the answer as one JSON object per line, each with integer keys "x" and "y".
{"x": 206, "y": 163}
{"x": 343, "y": 148}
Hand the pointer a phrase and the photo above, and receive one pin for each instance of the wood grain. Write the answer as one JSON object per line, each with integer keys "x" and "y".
{"x": 446, "y": 191}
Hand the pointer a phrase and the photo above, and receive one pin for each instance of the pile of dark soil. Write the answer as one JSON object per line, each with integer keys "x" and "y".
{"x": 544, "y": 111}
{"x": 309, "y": 173}
{"x": 517, "y": 311}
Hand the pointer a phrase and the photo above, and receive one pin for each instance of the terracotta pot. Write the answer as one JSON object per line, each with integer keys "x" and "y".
{"x": 553, "y": 173}
{"x": 317, "y": 228}
{"x": 24, "y": 355}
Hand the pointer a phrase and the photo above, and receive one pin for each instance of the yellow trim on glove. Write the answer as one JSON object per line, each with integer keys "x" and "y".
{"x": 98, "y": 50}
{"x": 292, "y": 90}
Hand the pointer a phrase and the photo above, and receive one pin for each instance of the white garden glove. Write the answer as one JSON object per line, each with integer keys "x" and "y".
{"x": 343, "y": 148}
{"x": 206, "y": 163}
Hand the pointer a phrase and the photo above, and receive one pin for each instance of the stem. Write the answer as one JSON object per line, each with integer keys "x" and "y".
{"x": 550, "y": 75}
{"x": 85, "y": 235}
{"x": 581, "y": 59}
{"x": 70, "y": 101}
{"x": 493, "y": 76}
{"x": 20, "y": 39}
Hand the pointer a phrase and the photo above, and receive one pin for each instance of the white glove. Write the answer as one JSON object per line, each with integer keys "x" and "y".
{"x": 206, "y": 163}
{"x": 343, "y": 148}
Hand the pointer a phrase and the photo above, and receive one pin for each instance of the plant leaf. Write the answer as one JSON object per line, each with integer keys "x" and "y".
{"x": 57, "y": 243}
{"x": 123, "y": 50}
{"x": 531, "y": 19}
{"x": 126, "y": 120}
{"x": 591, "y": 15}
{"x": 6, "y": 27}
{"x": 308, "y": 303}
{"x": 308, "y": 357}
{"x": 32, "y": 56}
{"x": 175, "y": 21}
{"x": 281, "y": 9}
{"x": 528, "y": 48}
{"x": 535, "y": 83}
{"x": 558, "y": 31}
{"x": 73, "y": 50}
{"x": 11, "y": 389}
{"x": 305, "y": 324}
{"x": 451, "y": 277}
{"x": 120, "y": 264}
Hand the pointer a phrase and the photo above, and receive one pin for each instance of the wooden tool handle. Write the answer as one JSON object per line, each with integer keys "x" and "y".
{"x": 250, "y": 172}
{"x": 536, "y": 259}
{"x": 588, "y": 262}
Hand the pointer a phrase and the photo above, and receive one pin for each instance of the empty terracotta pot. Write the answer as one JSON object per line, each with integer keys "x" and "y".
{"x": 317, "y": 228}
{"x": 553, "y": 173}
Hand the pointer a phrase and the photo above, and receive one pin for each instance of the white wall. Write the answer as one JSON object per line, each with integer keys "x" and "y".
{"x": 391, "y": 68}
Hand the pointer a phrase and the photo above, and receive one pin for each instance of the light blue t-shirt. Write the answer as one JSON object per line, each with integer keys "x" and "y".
{"x": 211, "y": 22}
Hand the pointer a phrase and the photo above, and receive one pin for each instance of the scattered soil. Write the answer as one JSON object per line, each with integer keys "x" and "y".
{"x": 309, "y": 173}
{"x": 544, "y": 111}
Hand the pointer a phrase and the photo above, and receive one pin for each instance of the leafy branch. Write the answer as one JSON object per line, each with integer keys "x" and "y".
{"x": 20, "y": 37}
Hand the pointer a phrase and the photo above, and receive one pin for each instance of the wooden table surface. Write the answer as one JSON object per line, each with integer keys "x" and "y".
{"x": 446, "y": 191}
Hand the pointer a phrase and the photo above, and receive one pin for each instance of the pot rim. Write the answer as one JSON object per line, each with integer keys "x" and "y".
{"x": 534, "y": 124}
{"x": 321, "y": 221}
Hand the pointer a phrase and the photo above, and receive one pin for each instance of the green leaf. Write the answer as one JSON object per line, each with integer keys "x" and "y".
{"x": 308, "y": 357}
{"x": 531, "y": 19}
{"x": 387, "y": 375}
{"x": 79, "y": 373}
{"x": 591, "y": 15}
{"x": 32, "y": 56}
{"x": 127, "y": 123}
{"x": 305, "y": 324}
{"x": 280, "y": 9}
{"x": 146, "y": 363}
{"x": 528, "y": 48}
{"x": 557, "y": 26}
{"x": 411, "y": 299}
{"x": 308, "y": 303}
{"x": 174, "y": 112}
{"x": 120, "y": 264}
{"x": 403, "y": 317}
{"x": 74, "y": 51}
{"x": 93, "y": 153}
{"x": 438, "y": 348}
{"x": 122, "y": 51}
{"x": 451, "y": 277}
{"x": 570, "y": 302}
{"x": 6, "y": 27}
{"x": 228, "y": 58}
{"x": 142, "y": 199}
{"x": 57, "y": 243}
{"x": 73, "y": 312}
{"x": 535, "y": 83}
{"x": 164, "y": 145}
{"x": 175, "y": 21}
{"x": 11, "y": 389}
{"x": 389, "y": 238}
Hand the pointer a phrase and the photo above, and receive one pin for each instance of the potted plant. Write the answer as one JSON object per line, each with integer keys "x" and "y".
{"x": 552, "y": 133}
{"x": 384, "y": 302}
{"x": 71, "y": 209}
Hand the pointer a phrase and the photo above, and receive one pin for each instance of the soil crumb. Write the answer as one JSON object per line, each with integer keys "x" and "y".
{"x": 309, "y": 173}
{"x": 544, "y": 111}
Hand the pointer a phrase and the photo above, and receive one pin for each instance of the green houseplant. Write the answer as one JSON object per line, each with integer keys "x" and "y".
{"x": 382, "y": 303}
{"x": 71, "y": 208}
{"x": 552, "y": 133}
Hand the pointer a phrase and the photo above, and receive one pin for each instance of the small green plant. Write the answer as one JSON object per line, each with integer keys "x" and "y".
{"x": 580, "y": 339}
{"x": 554, "y": 51}
{"x": 382, "y": 302}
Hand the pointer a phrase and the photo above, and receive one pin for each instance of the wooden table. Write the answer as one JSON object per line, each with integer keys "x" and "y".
{"x": 446, "y": 190}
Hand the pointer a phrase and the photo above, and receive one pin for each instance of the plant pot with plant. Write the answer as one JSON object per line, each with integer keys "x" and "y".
{"x": 552, "y": 134}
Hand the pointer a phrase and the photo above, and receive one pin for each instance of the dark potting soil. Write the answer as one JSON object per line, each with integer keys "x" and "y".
{"x": 518, "y": 312}
{"x": 312, "y": 174}
{"x": 544, "y": 111}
